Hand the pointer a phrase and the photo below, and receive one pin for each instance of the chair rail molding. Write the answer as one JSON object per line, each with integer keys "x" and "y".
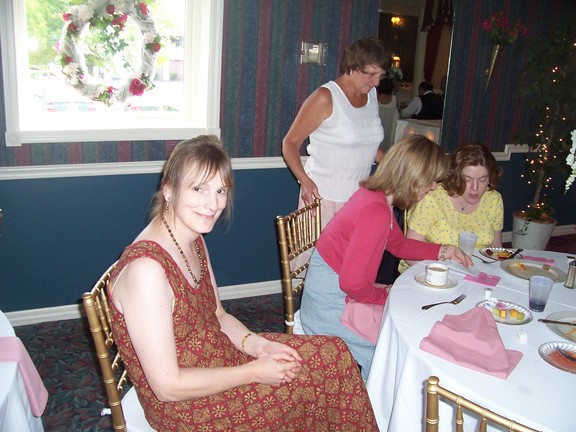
{"x": 154, "y": 167}
{"x": 122, "y": 168}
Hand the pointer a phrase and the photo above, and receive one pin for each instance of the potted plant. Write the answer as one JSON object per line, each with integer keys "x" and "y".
{"x": 548, "y": 89}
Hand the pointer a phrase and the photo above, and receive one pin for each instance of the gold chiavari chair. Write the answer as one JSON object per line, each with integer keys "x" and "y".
{"x": 127, "y": 413}
{"x": 433, "y": 391}
{"x": 297, "y": 233}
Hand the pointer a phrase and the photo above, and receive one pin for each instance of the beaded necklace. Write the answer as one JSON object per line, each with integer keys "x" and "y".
{"x": 184, "y": 256}
{"x": 463, "y": 207}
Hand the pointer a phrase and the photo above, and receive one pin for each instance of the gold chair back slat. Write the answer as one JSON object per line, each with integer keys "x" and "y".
{"x": 297, "y": 233}
{"x": 434, "y": 390}
{"x": 459, "y": 417}
{"x": 98, "y": 315}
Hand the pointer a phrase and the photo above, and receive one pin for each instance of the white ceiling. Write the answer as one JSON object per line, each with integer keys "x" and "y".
{"x": 402, "y": 7}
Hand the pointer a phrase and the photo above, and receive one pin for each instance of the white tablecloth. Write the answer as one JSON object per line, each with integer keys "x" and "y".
{"x": 535, "y": 393}
{"x": 429, "y": 128}
{"x": 15, "y": 412}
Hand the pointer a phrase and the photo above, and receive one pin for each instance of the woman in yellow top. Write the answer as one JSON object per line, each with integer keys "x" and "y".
{"x": 466, "y": 200}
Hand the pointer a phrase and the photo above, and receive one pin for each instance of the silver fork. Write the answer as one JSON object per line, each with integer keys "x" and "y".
{"x": 455, "y": 301}
{"x": 484, "y": 261}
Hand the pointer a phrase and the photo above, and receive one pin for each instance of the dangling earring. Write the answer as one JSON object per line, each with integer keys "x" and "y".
{"x": 167, "y": 205}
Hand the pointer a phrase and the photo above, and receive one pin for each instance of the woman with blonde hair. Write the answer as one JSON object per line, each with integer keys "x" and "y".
{"x": 466, "y": 200}
{"x": 345, "y": 262}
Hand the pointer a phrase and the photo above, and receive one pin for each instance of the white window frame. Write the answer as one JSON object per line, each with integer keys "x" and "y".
{"x": 204, "y": 25}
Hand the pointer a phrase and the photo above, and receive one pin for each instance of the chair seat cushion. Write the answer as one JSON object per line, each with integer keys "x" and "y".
{"x": 298, "y": 329}
{"x": 134, "y": 414}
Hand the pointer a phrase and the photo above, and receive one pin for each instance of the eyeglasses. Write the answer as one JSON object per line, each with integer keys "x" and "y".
{"x": 380, "y": 75}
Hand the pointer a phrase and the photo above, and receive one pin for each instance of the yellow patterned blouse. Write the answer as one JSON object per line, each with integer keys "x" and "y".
{"x": 439, "y": 222}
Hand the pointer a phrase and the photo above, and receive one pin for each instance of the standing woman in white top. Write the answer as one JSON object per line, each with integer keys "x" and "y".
{"x": 341, "y": 118}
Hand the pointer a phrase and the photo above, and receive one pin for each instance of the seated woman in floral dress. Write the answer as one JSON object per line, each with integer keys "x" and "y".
{"x": 194, "y": 366}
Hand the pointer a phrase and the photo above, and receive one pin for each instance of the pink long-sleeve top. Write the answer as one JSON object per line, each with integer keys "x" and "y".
{"x": 353, "y": 242}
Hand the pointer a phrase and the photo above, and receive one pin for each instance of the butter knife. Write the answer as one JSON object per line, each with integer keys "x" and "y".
{"x": 515, "y": 253}
{"x": 547, "y": 321}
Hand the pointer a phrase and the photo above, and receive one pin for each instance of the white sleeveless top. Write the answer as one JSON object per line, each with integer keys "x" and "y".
{"x": 342, "y": 149}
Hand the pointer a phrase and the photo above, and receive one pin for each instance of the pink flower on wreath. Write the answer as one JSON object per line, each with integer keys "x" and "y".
{"x": 73, "y": 28}
{"x": 110, "y": 9}
{"x": 67, "y": 16}
{"x": 120, "y": 21}
{"x": 110, "y": 90}
{"x": 143, "y": 8}
{"x": 137, "y": 87}
{"x": 68, "y": 59}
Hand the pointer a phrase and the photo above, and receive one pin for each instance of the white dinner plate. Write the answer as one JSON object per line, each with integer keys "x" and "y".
{"x": 491, "y": 303}
{"x": 421, "y": 279}
{"x": 566, "y": 331}
{"x": 498, "y": 253}
{"x": 548, "y": 352}
{"x": 525, "y": 269}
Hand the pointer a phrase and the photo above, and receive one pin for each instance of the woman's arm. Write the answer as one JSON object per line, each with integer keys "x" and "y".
{"x": 498, "y": 219}
{"x": 315, "y": 109}
{"x": 411, "y": 234}
{"x": 408, "y": 248}
{"x": 245, "y": 340}
{"x": 146, "y": 300}
{"x": 497, "y": 242}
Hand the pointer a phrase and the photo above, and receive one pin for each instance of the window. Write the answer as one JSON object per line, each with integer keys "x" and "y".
{"x": 42, "y": 106}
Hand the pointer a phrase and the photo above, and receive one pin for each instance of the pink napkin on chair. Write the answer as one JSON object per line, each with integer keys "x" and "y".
{"x": 471, "y": 340}
{"x": 363, "y": 319}
{"x": 12, "y": 349}
{"x": 484, "y": 279}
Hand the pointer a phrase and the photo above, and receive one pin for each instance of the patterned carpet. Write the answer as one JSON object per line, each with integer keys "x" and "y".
{"x": 64, "y": 355}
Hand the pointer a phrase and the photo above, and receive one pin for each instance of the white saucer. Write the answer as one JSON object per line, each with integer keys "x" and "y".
{"x": 421, "y": 279}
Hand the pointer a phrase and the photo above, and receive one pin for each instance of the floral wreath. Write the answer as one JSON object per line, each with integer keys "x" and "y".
{"x": 110, "y": 15}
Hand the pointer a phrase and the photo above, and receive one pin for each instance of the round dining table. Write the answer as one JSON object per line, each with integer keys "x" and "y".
{"x": 15, "y": 411}
{"x": 535, "y": 393}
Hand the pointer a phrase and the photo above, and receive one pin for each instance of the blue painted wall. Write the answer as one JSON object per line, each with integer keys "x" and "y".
{"x": 59, "y": 235}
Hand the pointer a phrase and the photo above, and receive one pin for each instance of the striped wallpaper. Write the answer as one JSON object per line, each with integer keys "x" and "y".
{"x": 494, "y": 115}
{"x": 263, "y": 83}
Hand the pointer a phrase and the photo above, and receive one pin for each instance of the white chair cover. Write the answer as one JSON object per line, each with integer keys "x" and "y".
{"x": 388, "y": 115}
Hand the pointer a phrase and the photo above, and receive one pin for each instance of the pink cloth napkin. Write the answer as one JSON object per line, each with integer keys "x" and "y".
{"x": 483, "y": 278}
{"x": 542, "y": 260}
{"x": 363, "y": 319}
{"x": 471, "y": 340}
{"x": 12, "y": 349}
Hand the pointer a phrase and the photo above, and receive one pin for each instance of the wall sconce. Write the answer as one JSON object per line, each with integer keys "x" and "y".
{"x": 395, "y": 20}
{"x": 396, "y": 61}
{"x": 313, "y": 53}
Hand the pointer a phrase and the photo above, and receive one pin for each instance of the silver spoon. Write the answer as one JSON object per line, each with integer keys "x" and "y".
{"x": 484, "y": 261}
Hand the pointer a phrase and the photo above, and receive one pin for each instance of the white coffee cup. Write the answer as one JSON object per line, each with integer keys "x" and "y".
{"x": 436, "y": 274}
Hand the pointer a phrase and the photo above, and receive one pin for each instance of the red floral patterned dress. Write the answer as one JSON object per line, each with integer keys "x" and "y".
{"x": 328, "y": 394}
